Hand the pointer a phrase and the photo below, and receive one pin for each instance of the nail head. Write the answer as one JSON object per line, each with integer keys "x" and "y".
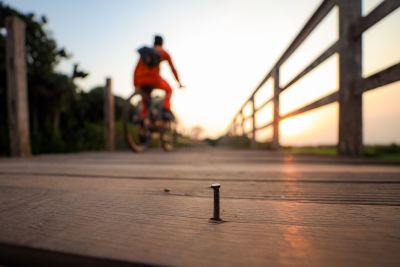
{"x": 215, "y": 186}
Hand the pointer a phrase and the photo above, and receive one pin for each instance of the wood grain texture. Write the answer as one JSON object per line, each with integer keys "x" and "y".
{"x": 381, "y": 11}
{"x": 17, "y": 91}
{"x": 109, "y": 116}
{"x": 275, "y": 143}
{"x": 279, "y": 210}
{"x": 389, "y": 75}
{"x": 350, "y": 72}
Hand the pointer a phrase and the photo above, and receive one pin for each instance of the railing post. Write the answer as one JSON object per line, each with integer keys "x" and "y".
{"x": 17, "y": 96}
{"x": 109, "y": 117}
{"x": 350, "y": 103}
{"x": 242, "y": 120}
{"x": 275, "y": 135}
{"x": 236, "y": 127}
{"x": 253, "y": 118}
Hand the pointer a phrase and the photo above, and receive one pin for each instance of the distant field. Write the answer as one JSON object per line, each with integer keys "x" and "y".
{"x": 384, "y": 152}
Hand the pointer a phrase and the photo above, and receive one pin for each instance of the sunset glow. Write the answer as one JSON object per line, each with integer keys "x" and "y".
{"x": 222, "y": 50}
{"x": 296, "y": 125}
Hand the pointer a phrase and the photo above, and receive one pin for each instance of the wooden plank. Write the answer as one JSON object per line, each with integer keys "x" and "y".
{"x": 245, "y": 118}
{"x": 380, "y": 12}
{"x": 325, "y": 189}
{"x": 266, "y": 78}
{"x": 382, "y": 78}
{"x": 324, "y": 56}
{"x": 241, "y": 112}
{"x": 264, "y": 104}
{"x": 242, "y": 121}
{"x": 275, "y": 143}
{"x": 280, "y": 210}
{"x": 265, "y": 125}
{"x": 333, "y": 97}
{"x": 174, "y": 230}
{"x": 17, "y": 95}
{"x": 109, "y": 116}
{"x": 350, "y": 104}
{"x": 323, "y": 10}
{"x": 238, "y": 172}
{"x": 311, "y": 24}
{"x": 253, "y": 124}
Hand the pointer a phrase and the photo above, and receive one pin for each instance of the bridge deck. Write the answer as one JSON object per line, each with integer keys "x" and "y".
{"x": 114, "y": 209}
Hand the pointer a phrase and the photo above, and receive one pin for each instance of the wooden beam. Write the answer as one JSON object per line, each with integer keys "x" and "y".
{"x": 265, "y": 126}
{"x": 267, "y": 77}
{"x": 245, "y": 118}
{"x": 276, "y": 117}
{"x": 264, "y": 104}
{"x": 350, "y": 104}
{"x": 380, "y": 12}
{"x": 242, "y": 121}
{"x": 109, "y": 117}
{"x": 324, "y": 56}
{"x": 316, "y": 104}
{"x": 384, "y": 77}
{"x": 253, "y": 120}
{"x": 17, "y": 95}
{"x": 311, "y": 24}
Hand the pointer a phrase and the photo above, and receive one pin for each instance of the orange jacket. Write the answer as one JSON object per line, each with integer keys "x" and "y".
{"x": 145, "y": 75}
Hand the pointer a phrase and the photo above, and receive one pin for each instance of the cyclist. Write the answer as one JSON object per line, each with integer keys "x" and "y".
{"x": 147, "y": 77}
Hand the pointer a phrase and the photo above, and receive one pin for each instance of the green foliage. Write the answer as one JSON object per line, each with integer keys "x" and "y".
{"x": 238, "y": 142}
{"x": 61, "y": 119}
{"x": 90, "y": 137}
{"x": 211, "y": 142}
{"x": 390, "y": 152}
{"x": 311, "y": 150}
{"x": 184, "y": 141}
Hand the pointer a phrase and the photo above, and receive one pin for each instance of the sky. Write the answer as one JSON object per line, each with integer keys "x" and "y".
{"x": 222, "y": 49}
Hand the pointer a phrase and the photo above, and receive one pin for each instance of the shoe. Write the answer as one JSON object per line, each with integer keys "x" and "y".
{"x": 167, "y": 115}
{"x": 144, "y": 137}
{"x": 137, "y": 119}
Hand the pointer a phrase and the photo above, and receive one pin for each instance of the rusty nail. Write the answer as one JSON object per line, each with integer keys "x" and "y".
{"x": 216, "y": 187}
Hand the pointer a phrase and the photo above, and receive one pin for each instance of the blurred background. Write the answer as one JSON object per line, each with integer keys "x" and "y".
{"x": 222, "y": 50}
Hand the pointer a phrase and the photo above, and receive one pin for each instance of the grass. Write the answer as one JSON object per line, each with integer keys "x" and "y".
{"x": 389, "y": 152}
{"x": 383, "y": 152}
{"x": 314, "y": 150}
{"x": 386, "y": 152}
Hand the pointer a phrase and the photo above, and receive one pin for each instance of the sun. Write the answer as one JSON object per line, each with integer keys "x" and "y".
{"x": 296, "y": 125}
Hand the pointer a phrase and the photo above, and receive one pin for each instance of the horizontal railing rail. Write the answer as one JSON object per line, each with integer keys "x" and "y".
{"x": 352, "y": 25}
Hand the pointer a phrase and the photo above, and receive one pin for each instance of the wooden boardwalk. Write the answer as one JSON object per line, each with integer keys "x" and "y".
{"x": 123, "y": 209}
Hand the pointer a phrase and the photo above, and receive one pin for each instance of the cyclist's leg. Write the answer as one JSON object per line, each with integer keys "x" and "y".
{"x": 163, "y": 85}
{"x": 145, "y": 91}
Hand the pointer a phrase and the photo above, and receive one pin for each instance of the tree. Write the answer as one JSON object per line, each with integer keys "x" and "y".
{"x": 49, "y": 93}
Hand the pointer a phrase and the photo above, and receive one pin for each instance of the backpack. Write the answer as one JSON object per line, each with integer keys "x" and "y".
{"x": 150, "y": 56}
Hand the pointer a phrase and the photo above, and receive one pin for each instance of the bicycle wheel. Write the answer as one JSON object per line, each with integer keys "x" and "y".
{"x": 168, "y": 135}
{"x": 137, "y": 135}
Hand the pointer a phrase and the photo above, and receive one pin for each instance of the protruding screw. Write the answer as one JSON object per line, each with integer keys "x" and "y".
{"x": 216, "y": 187}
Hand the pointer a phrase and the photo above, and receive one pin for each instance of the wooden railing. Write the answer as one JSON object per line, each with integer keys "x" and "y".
{"x": 352, "y": 85}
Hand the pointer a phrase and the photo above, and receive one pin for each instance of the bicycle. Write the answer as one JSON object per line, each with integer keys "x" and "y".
{"x": 141, "y": 132}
